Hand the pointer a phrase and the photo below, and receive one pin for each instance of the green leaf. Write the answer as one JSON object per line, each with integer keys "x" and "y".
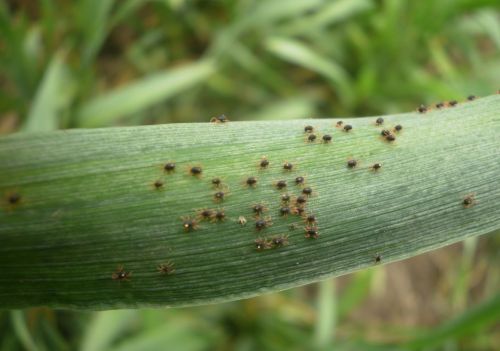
{"x": 87, "y": 204}
{"x": 143, "y": 94}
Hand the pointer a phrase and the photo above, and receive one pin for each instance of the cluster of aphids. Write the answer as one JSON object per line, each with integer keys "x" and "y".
{"x": 443, "y": 104}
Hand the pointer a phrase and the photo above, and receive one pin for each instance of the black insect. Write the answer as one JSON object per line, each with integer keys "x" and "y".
{"x": 158, "y": 184}
{"x": 439, "y": 105}
{"x": 285, "y": 211}
{"x": 166, "y": 268}
{"x": 219, "y": 196}
{"x": 220, "y": 215}
{"x": 206, "y": 214}
{"x": 452, "y": 103}
{"x": 280, "y": 184}
{"x": 471, "y": 97}
{"x": 279, "y": 241}
{"x": 310, "y": 219}
{"x": 307, "y": 191}
{"x": 469, "y": 200}
{"x": 311, "y": 232}
{"x": 262, "y": 244}
{"x": 258, "y": 209}
{"x": 379, "y": 121}
{"x": 216, "y": 182}
{"x": 390, "y": 137}
{"x": 308, "y": 129}
{"x": 285, "y": 198}
{"x": 169, "y": 167}
{"x": 327, "y": 138}
{"x": 385, "y": 132}
{"x": 422, "y": 109}
{"x": 339, "y": 124}
{"x": 287, "y": 166}
{"x": 262, "y": 223}
{"x": 377, "y": 258}
{"x": 13, "y": 198}
{"x": 311, "y": 138}
{"x": 347, "y": 128}
{"x": 264, "y": 162}
{"x": 189, "y": 224}
{"x": 120, "y": 274}
{"x": 251, "y": 181}
{"x": 299, "y": 180}
{"x": 376, "y": 166}
{"x": 352, "y": 163}
{"x": 398, "y": 128}
{"x": 196, "y": 171}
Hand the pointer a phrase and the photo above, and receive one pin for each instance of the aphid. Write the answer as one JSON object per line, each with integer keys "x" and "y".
{"x": 120, "y": 274}
{"x": 299, "y": 180}
{"x": 206, "y": 214}
{"x": 264, "y": 162}
{"x": 158, "y": 184}
{"x": 452, "y": 103}
{"x": 242, "y": 220}
{"x": 390, "y": 137}
{"x": 471, "y": 97}
{"x": 310, "y": 219}
{"x": 469, "y": 200}
{"x": 219, "y": 119}
{"x": 439, "y": 105}
{"x": 308, "y": 129}
{"x": 385, "y": 132}
{"x": 220, "y": 215}
{"x": 285, "y": 211}
{"x": 285, "y": 198}
{"x": 258, "y": 209}
{"x": 422, "y": 109}
{"x": 219, "y": 196}
{"x": 169, "y": 167}
{"x": 339, "y": 124}
{"x": 352, "y": 163}
{"x": 307, "y": 191}
{"x": 262, "y": 244}
{"x": 279, "y": 241}
{"x": 379, "y": 121}
{"x": 263, "y": 223}
{"x": 377, "y": 258}
{"x": 251, "y": 181}
{"x": 216, "y": 182}
{"x": 189, "y": 224}
{"x": 347, "y": 128}
{"x": 301, "y": 199}
{"x": 311, "y": 138}
{"x": 166, "y": 268}
{"x": 287, "y": 166}
{"x": 376, "y": 166}
{"x": 196, "y": 171}
{"x": 280, "y": 184}
{"x": 327, "y": 138}
{"x": 398, "y": 128}
{"x": 13, "y": 198}
{"x": 311, "y": 232}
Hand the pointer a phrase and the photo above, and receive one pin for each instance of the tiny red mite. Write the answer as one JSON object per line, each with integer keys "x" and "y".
{"x": 166, "y": 268}
{"x": 121, "y": 275}
{"x": 327, "y": 138}
{"x": 379, "y": 121}
{"x": 347, "y": 128}
{"x": 308, "y": 129}
{"x": 189, "y": 224}
{"x": 311, "y": 232}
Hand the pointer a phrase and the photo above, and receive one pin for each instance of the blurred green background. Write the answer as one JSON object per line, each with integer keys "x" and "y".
{"x": 96, "y": 63}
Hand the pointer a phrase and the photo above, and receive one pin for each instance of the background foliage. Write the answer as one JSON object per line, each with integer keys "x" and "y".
{"x": 89, "y": 63}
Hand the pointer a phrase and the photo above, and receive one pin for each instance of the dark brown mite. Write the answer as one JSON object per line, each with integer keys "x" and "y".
{"x": 311, "y": 138}
{"x": 308, "y": 129}
{"x": 301, "y": 199}
{"x": 385, "y": 132}
{"x": 452, "y": 103}
{"x": 262, "y": 223}
{"x": 298, "y": 210}
{"x": 299, "y": 180}
{"x": 311, "y": 232}
{"x": 439, "y": 105}
{"x": 376, "y": 166}
{"x": 307, "y": 191}
{"x": 469, "y": 200}
{"x": 281, "y": 184}
{"x": 379, "y": 121}
{"x": 285, "y": 198}
{"x": 422, "y": 109}
{"x": 285, "y": 211}
{"x": 262, "y": 244}
{"x": 352, "y": 163}
{"x": 251, "y": 181}
{"x": 219, "y": 215}
{"x": 471, "y": 97}
{"x": 279, "y": 241}
{"x": 327, "y": 138}
{"x": 310, "y": 219}
{"x": 158, "y": 184}
{"x": 216, "y": 182}
{"x": 339, "y": 124}
{"x": 347, "y": 128}
{"x": 196, "y": 171}
{"x": 121, "y": 275}
{"x": 377, "y": 258}
{"x": 13, "y": 198}
{"x": 169, "y": 167}
{"x": 258, "y": 209}
{"x": 398, "y": 128}
{"x": 189, "y": 224}
{"x": 166, "y": 268}
{"x": 219, "y": 119}
{"x": 206, "y": 214}
{"x": 287, "y": 166}
{"x": 219, "y": 196}
{"x": 390, "y": 137}
{"x": 264, "y": 163}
